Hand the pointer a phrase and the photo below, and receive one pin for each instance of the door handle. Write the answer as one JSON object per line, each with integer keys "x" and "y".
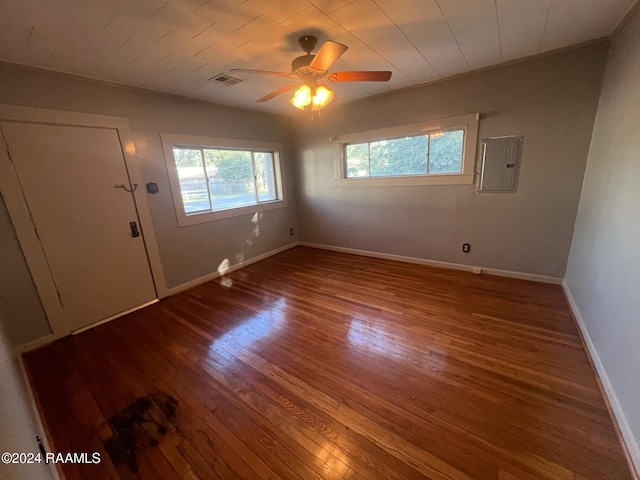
{"x": 134, "y": 229}
{"x": 122, "y": 186}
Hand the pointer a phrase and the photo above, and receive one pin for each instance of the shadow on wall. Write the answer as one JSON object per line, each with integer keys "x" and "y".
{"x": 246, "y": 241}
{"x": 18, "y": 425}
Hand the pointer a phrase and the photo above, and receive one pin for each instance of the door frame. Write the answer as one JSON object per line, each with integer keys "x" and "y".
{"x": 18, "y": 210}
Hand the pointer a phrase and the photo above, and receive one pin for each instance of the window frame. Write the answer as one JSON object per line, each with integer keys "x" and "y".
{"x": 169, "y": 141}
{"x": 468, "y": 123}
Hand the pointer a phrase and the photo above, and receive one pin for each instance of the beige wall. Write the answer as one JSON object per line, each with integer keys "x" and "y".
{"x": 603, "y": 275}
{"x": 190, "y": 252}
{"x": 551, "y": 101}
{"x": 18, "y": 423}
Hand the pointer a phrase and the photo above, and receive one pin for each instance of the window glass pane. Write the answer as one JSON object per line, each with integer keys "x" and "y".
{"x": 193, "y": 183}
{"x": 399, "y": 156}
{"x": 357, "y": 160}
{"x": 446, "y": 152}
{"x": 265, "y": 176}
{"x": 231, "y": 180}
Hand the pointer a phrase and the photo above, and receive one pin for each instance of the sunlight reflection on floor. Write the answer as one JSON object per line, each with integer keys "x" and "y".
{"x": 333, "y": 460}
{"x": 259, "y": 327}
{"x": 371, "y": 337}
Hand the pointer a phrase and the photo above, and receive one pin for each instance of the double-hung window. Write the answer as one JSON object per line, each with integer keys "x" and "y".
{"x": 437, "y": 152}
{"x": 214, "y": 178}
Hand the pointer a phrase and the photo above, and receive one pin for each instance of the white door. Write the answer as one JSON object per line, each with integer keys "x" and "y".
{"x": 68, "y": 176}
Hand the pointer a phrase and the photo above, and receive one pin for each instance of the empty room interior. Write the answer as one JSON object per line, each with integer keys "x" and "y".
{"x": 320, "y": 239}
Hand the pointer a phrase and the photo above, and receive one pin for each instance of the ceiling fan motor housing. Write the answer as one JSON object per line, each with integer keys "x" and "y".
{"x": 309, "y": 68}
{"x": 308, "y": 43}
{"x": 300, "y": 65}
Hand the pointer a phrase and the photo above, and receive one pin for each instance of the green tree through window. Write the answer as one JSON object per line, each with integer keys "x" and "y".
{"x": 400, "y": 156}
{"x": 214, "y": 179}
{"x": 438, "y": 152}
{"x": 446, "y": 152}
{"x": 232, "y": 166}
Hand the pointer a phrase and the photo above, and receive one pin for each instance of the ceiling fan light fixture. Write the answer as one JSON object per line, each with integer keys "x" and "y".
{"x": 302, "y": 97}
{"x": 310, "y": 68}
{"x": 322, "y": 98}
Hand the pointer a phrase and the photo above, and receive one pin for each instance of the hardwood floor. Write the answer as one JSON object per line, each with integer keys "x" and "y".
{"x": 314, "y": 364}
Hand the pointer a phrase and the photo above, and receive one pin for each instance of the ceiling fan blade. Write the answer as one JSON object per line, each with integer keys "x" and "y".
{"x": 263, "y": 72}
{"x": 277, "y": 92}
{"x": 375, "y": 76}
{"x": 329, "y": 53}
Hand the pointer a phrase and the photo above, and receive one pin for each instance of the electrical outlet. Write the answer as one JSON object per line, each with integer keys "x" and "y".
{"x": 291, "y": 232}
{"x": 466, "y": 247}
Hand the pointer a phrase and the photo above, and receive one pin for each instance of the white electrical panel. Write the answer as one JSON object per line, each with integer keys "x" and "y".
{"x": 500, "y": 164}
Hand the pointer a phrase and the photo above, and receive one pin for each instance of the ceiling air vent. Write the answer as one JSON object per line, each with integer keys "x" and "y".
{"x": 225, "y": 79}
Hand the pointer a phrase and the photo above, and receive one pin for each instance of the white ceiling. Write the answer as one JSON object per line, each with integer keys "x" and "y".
{"x": 175, "y": 46}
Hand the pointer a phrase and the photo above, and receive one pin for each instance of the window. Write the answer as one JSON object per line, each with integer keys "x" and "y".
{"x": 220, "y": 179}
{"x": 213, "y": 178}
{"x": 435, "y": 152}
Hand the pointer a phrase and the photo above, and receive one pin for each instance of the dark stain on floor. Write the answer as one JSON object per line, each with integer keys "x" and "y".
{"x": 145, "y": 421}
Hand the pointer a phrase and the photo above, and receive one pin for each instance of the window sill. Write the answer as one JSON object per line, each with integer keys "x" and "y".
{"x": 442, "y": 179}
{"x": 204, "y": 217}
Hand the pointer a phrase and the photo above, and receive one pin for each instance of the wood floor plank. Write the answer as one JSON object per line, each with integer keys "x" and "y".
{"x": 212, "y": 438}
{"x": 315, "y": 364}
{"x": 226, "y": 362}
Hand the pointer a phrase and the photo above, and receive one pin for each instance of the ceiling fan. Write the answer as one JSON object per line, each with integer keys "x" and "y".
{"x": 308, "y": 69}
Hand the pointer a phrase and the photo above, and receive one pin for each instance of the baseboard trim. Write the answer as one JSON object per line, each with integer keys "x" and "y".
{"x": 37, "y": 343}
{"x": 623, "y": 429}
{"x": 47, "y": 339}
{"x": 436, "y": 263}
{"x": 113, "y": 317}
{"x": 533, "y": 277}
{"x": 33, "y": 403}
{"x": 212, "y": 276}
